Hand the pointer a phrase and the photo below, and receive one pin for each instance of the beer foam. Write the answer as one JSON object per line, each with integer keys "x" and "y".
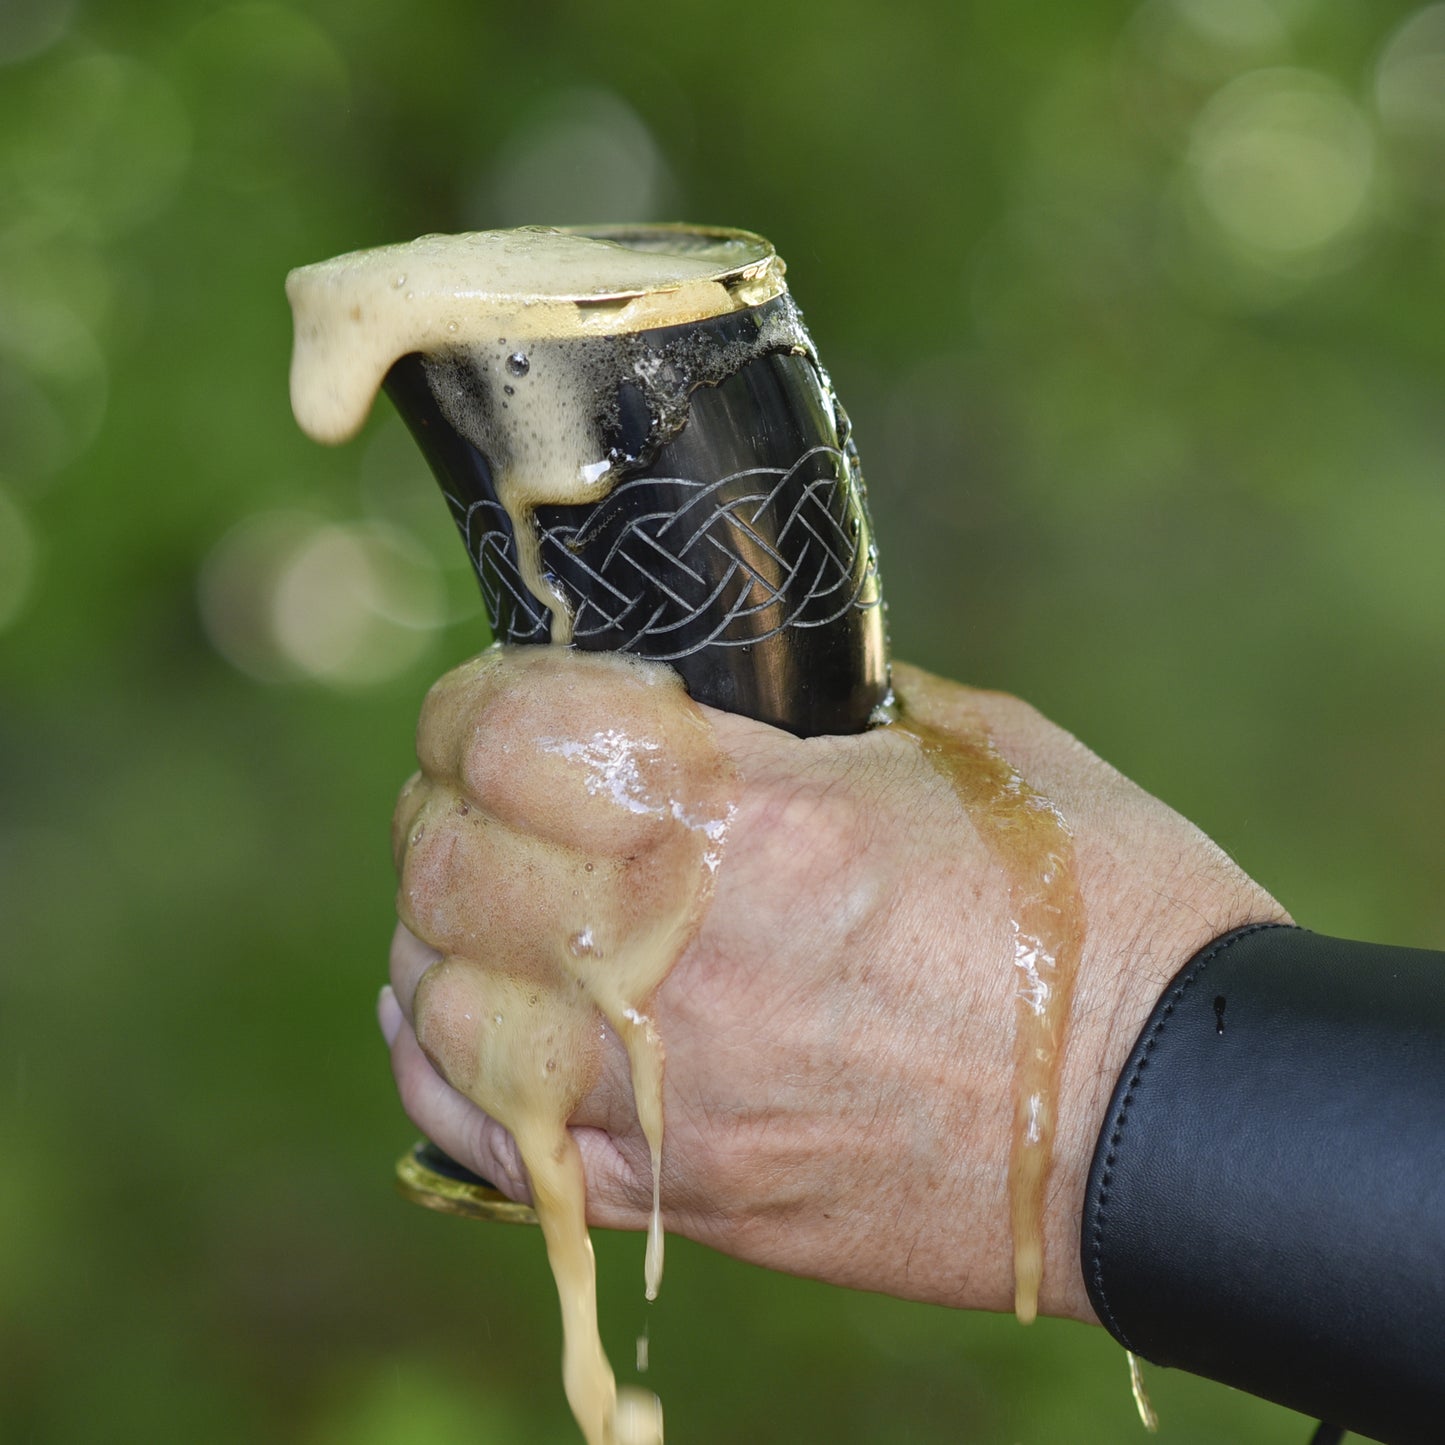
{"x": 529, "y": 338}
{"x": 358, "y": 313}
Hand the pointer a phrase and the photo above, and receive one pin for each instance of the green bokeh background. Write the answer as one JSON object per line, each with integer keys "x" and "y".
{"x": 1136, "y": 311}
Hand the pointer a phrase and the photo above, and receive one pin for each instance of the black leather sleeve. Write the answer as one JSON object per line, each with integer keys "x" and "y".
{"x": 1266, "y": 1205}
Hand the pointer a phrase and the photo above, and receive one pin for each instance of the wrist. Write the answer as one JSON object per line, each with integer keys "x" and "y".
{"x": 1124, "y": 973}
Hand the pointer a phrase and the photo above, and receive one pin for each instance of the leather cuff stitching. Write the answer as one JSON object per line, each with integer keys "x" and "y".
{"x": 1175, "y": 995}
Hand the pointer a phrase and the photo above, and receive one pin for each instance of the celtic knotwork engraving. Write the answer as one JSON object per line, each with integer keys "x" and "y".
{"x": 515, "y": 615}
{"x": 664, "y": 566}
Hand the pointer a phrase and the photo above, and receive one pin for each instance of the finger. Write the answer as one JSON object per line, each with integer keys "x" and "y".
{"x": 410, "y": 959}
{"x": 452, "y": 1122}
{"x": 585, "y": 752}
{"x": 452, "y": 701}
{"x": 619, "y": 1179}
{"x": 388, "y": 1014}
{"x": 413, "y": 797}
{"x": 477, "y": 889}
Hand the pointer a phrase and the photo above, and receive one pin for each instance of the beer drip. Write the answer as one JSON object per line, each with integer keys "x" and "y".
{"x": 1030, "y": 843}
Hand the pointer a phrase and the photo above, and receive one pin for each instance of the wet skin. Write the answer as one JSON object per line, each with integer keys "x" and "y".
{"x": 840, "y": 1029}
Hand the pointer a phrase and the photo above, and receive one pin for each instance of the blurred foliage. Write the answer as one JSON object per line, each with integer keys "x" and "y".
{"x": 1135, "y": 308}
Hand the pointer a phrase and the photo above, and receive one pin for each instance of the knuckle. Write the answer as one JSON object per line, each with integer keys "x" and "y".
{"x": 808, "y": 815}
{"x": 445, "y": 998}
{"x": 457, "y": 695}
{"x": 408, "y": 804}
{"x": 487, "y": 892}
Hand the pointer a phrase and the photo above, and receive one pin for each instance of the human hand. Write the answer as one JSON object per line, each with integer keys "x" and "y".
{"x": 839, "y": 1030}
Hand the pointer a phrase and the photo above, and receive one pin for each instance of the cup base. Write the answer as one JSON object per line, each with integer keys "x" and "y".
{"x": 428, "y": 1177}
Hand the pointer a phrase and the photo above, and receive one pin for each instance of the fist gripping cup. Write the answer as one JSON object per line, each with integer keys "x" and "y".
{"x": 637, "y": 442}
{"x": 643, "y": 456}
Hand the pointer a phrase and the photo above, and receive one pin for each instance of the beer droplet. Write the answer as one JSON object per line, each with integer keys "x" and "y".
{"x": 518, "y": 364}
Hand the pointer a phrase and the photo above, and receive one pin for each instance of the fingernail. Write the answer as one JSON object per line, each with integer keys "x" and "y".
{"x": 388, "y": 1014}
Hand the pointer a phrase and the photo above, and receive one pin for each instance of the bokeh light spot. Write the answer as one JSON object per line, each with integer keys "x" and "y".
{"x": 286, "y": 596}
{"x": 1410, "y": 76}
{"x": 1172, "y": 53}
{"x": 104, "y": 147}
{"x": 356, "y": 604}
{"x": 1282, "y": 162}
{"x": 395, "y": 486}
{"x": 1410, "y": 96}
{"x": 272, "y": 94}
{"x": 236, "y": 584}
{"x": 586, "y": 155}
{"x": 1247, "y": 25}
{"x": 31, "y": 27}
{"x": 54, "y": 382}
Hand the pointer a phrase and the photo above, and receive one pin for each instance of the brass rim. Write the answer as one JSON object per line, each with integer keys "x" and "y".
{"x": 676, "y": 236}
{"x": 423, "y": 1185}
